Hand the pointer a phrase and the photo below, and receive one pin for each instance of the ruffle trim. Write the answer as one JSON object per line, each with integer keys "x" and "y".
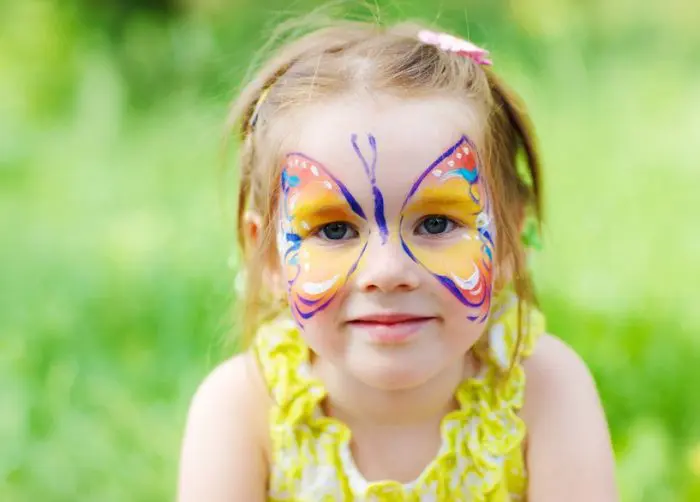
{"x": 476, "y": 439}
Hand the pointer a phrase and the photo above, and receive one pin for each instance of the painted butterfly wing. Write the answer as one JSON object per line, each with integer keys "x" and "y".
{"x": 314, "y": 272}
{"x": 464, "y": 267}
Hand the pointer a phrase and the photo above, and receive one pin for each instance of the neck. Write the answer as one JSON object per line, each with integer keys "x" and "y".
{"x": 355, "y": 402}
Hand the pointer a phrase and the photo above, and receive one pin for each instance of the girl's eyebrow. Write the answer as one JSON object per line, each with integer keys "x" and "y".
{"x": 296, "y": 157}
{"x": 305, "y": 208}
{"x": 442, "y": 200}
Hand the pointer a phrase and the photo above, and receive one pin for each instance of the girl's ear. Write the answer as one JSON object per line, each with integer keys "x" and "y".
{"x": 252, "y": 230}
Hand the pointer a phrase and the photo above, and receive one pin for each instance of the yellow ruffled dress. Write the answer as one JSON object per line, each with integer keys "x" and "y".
{"x": 480, "y": 459}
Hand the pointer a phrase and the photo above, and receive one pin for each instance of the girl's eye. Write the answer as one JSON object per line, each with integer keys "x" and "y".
{"x": 337, "y": 231}
{"x": 435, "y": 225}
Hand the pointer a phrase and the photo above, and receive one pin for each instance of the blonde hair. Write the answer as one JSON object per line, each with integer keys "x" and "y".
{"x": 345, "y": 56}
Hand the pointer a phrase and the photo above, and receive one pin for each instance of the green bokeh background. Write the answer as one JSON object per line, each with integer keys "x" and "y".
{"x": 117, "y": 225}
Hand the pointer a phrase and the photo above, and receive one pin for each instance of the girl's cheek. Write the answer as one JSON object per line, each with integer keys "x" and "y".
{"x": 319, "y": 272}
{"x": 462, "y": 265}
{"x": 318, "y": 261}
{"x": 453, "y": 256}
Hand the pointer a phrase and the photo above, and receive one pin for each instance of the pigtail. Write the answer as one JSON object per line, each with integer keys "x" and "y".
{"x": 515, "y": 155}
{"x": 240, "y": 124}
{"x": 518, "y": 121}
{"x": 241, "y": 121}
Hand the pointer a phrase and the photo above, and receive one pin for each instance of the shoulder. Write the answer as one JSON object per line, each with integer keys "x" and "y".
{"x": 553, "y": 366}
{"x": 236, "y": 385}
{"x": 225, "y": 440}
{"x": 569, "y": 452}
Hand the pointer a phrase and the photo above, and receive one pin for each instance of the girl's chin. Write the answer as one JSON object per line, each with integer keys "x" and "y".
{"x": 385, "y": 369}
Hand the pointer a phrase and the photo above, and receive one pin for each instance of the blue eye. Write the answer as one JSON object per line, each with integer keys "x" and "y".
{"x": 337, "y": 231}
{"x": 435, "y": 225}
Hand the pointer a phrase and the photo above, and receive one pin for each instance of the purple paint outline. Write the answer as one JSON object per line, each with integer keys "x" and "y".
{"x": 442, "y": 157}
{"x": 354, "y": 205}
{"x": 309, "y": 303}
{"x": 370, "y": 171}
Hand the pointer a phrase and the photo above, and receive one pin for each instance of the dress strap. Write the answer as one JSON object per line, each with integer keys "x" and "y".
{"x": 284, "y": 359}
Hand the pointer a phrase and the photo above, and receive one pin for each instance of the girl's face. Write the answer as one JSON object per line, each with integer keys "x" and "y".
{"x": 386, "y": 236}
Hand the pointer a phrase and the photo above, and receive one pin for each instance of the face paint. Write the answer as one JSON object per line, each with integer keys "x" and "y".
{"x": 370, "y": 170}
{"x": 311, "y": 199}
{"x": 452, "y": 187}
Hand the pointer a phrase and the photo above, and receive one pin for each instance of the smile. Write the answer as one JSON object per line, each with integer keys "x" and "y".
{"x": 390, "y": 329}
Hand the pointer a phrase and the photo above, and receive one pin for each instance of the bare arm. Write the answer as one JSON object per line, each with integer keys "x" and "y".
{"x": 569, "y": 453}
{"x": 223, "y": 454}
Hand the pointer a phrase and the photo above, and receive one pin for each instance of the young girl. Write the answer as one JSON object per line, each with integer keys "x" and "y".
{"x": 397, "y": 353}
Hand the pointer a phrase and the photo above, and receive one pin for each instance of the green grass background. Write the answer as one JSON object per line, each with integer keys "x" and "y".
{"x": 116, "y": 223}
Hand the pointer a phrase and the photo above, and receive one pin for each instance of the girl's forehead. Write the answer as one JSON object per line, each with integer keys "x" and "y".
{"x": 394, "y": 140}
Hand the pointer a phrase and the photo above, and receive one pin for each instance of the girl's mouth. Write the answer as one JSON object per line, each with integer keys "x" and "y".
{"x": 389, "y": 329}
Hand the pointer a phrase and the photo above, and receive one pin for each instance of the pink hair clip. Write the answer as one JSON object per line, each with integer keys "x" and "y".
{"x": 448, "y": 43}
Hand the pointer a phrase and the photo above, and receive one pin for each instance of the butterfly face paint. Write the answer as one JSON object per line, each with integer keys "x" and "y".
{"x": 452, "y": 187}
{"x": 316, "y": 268}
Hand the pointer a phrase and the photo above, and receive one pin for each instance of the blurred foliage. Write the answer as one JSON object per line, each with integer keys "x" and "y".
{"x": 115, "y": 259}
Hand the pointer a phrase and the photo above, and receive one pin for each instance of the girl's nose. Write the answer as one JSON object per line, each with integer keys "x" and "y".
{"x": 387, "y": 267}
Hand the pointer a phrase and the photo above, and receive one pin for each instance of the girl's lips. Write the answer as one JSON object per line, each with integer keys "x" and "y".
{"x": 387, "y": 329}
{"x": 389, "y": 318}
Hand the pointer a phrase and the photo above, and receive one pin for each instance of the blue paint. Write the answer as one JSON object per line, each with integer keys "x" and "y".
{"x": 370, "y": 170}
{"x": 379, "y": 213}
{"x": 294, "y": 241}
{"x": 486, "y": 235}
{"x": 291, "y": 237}
{"x": 471, "y": 175}
{"x": 488, "y": 252}
{"x": 351, "y": 200}
{"x": 289, "y": 181}
{"x": 406, "y": 249}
